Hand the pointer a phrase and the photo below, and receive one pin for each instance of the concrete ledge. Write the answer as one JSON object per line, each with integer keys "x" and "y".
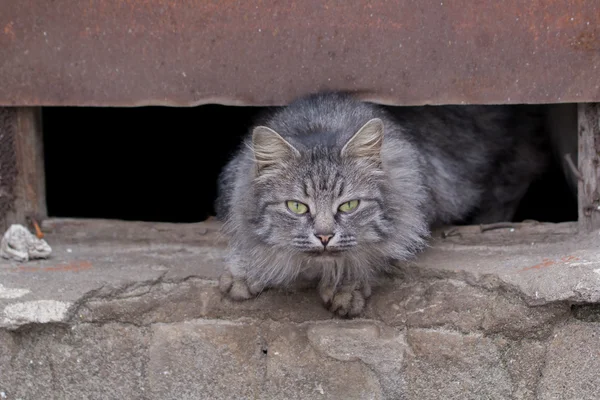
{"x": 131, "y": 310}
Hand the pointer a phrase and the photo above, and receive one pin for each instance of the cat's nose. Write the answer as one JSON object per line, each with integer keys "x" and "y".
{"x": 324, "y": 238}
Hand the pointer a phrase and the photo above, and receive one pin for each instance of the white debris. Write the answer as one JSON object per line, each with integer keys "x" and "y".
{"x": 36, "y": 311}
{"x": 21, "y": 245}
{"x": 11, "y": 293}
{"x": 319, "y": 388}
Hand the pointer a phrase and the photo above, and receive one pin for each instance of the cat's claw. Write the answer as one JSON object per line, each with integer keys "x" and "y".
{"x": 235, "y": 288}
{"x": 346, "y": 301}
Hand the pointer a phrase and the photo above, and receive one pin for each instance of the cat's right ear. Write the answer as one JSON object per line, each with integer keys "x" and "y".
{"x": 270, "y": 149}
{"x": 367, "y": 142}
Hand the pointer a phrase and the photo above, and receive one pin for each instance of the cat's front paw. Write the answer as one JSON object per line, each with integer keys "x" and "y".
{"x": 235, "y": 288}
{"x": 347, "y": 300}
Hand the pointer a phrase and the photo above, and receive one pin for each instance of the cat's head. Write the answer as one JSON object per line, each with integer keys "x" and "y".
{"x": 320, "y": 199}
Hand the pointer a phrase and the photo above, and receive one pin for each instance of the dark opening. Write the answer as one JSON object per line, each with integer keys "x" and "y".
{"x": 161, "y": 164}
{"x": 147, "y": 164}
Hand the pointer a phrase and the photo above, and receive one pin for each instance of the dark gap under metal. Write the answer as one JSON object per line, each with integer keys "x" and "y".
{"x": 162, "y": 163}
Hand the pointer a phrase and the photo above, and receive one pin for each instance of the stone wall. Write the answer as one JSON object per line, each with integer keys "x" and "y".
{"x": 138, "y": 320}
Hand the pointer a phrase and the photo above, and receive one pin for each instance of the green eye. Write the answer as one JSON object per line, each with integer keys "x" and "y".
{"x": 349, "y": 206}
{"x": 296, "y": 207}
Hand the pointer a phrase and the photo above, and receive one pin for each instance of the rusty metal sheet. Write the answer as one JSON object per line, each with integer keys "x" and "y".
{"x": 188, "y": 52}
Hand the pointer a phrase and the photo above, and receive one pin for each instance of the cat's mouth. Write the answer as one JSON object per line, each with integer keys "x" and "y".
{"x": 325, "y": 252}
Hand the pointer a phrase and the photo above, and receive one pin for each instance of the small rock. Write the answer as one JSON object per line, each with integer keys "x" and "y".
{"x": 21, "y": 245}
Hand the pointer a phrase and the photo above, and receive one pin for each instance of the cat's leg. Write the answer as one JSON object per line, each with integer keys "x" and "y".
{"x": 235, "y": 287}
{"x": 346, "y": 300}
{"x": 234, "y": 283}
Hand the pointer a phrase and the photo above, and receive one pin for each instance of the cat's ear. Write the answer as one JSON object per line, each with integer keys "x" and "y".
{"x": 367, "y": 142}
{"x": 270, "y": 148}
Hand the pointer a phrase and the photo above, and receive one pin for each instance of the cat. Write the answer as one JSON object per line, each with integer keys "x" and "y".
{"x": 335, "y": 190}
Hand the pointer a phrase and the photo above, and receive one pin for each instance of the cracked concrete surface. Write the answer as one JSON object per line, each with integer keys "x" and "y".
{"x": 131, "y": 310}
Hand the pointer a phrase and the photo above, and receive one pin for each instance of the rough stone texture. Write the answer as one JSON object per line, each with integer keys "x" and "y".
{"x": 573, "y": 365}
{"x": 78, "y": 362}
{"x": 377, "y": 346}
{"x": 524, "y": 361}
{"x": 132, "y": 311}
{"x": 205, "y": 359}
{"x": 456, "y": 305}
{"x": 450, "y": 365}
{"x": 297, "y": 369}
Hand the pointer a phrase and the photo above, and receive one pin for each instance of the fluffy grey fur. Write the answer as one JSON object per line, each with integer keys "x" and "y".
{"x": 409, "y": 168}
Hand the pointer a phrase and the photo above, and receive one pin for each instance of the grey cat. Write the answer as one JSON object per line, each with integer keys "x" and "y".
{"x": 333, "y": 189}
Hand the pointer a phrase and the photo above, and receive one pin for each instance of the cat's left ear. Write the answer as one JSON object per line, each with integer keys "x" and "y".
{"x": 367, "y": 142}
{"x": 270, "y": 149}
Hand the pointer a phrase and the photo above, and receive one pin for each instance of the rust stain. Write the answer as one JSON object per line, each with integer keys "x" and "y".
{"x": 75, "y": 266}
{"x": 9, "y": 30}
{"x": 587, "y": 41}
{"x": 546, "y": 262}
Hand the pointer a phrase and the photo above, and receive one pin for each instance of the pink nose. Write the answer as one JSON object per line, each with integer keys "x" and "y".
{"x": 324, "y": 239}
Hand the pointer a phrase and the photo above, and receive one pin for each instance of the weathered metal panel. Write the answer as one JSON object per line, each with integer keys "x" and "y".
{"x": 186, "y": 52}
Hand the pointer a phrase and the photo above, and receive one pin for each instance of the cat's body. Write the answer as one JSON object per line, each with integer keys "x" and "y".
{"x": 333, "y": 189}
